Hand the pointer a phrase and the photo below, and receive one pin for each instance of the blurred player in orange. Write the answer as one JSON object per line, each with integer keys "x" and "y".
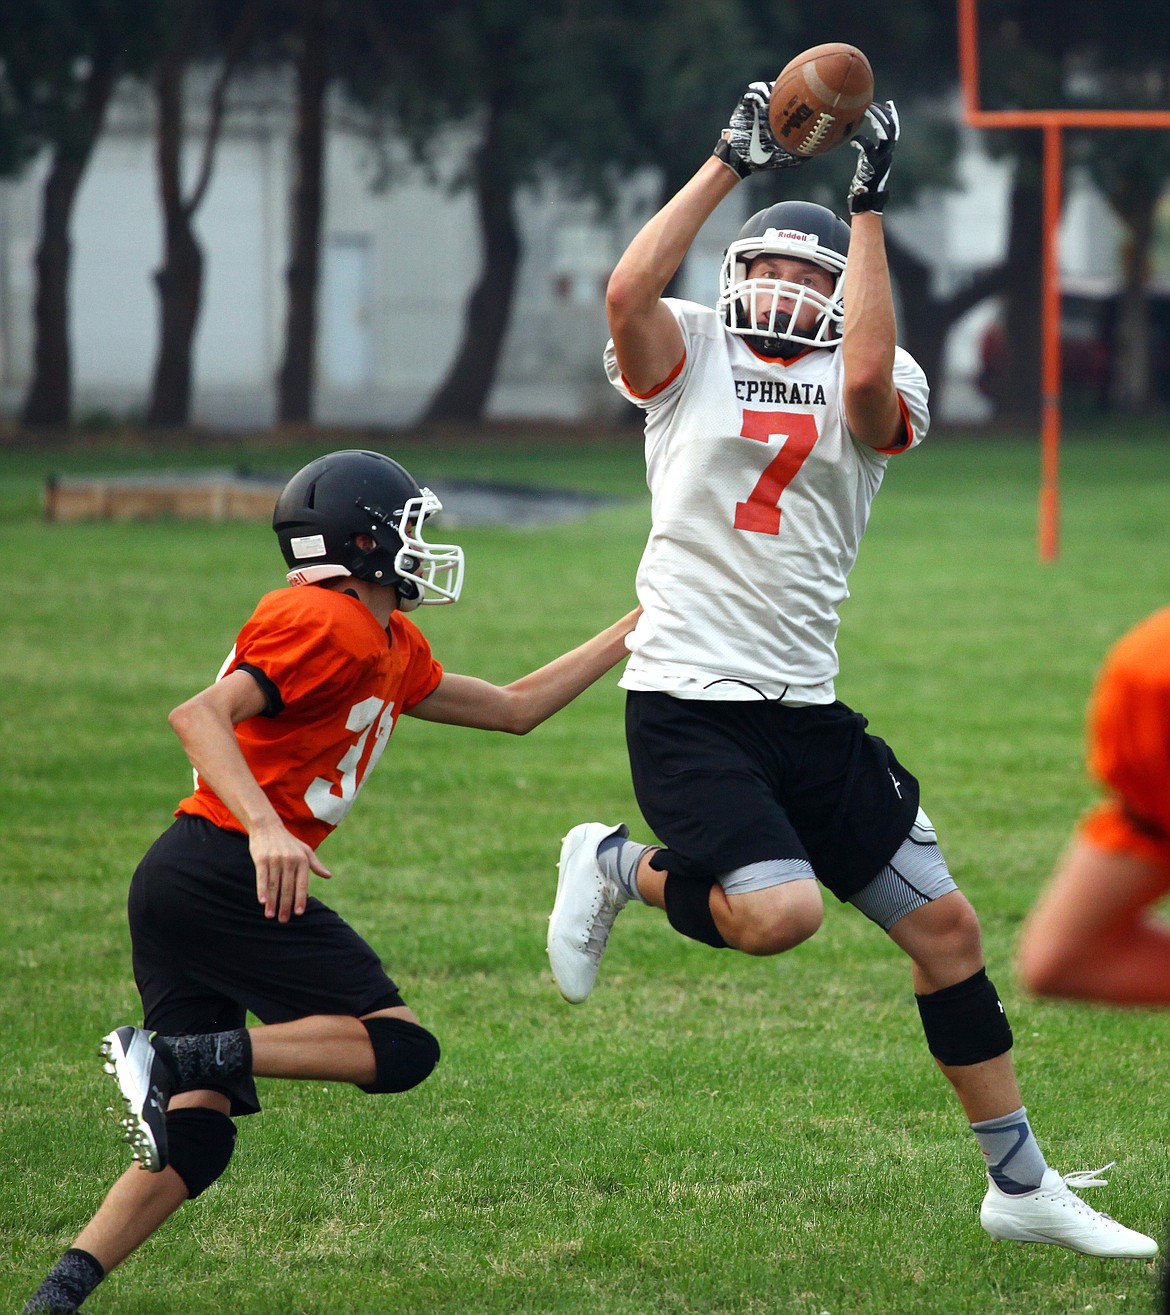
{"x": 221, "y": 920}
{"x": 1093, "y": 934}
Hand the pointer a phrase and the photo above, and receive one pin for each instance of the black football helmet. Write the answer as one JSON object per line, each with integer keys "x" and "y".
{"x": 337, "y": 497}
{"x": 799, "y": 230}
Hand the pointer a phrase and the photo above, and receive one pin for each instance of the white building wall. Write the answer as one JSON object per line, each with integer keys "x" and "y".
{"x": 398, "y": 265}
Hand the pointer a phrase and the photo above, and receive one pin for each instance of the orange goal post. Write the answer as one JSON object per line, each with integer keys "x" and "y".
{"x": 1052, "y": 123}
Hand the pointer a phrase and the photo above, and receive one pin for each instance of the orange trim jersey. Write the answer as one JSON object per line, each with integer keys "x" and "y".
{"x": 1129, "y": 744}
{"x": 760, "y": 495}
{"x": 336, "y": 683}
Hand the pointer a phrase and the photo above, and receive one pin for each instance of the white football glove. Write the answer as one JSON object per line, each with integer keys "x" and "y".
{"x": 875, "y": 155}
{"x": 747, "y": 143}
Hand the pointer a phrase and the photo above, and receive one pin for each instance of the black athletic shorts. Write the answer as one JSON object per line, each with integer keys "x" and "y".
{"x": 723, "y": 785}
{"x": 205, "y": 954}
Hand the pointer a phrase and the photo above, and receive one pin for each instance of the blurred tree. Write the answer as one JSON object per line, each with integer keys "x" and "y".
{"x": 1048, "y": 54}
{"x": 59, "y": 63}
{"x": 1132, "y": 169}
{"x": 510, "y": 74}
{"x": 315, "y": 32}
{"x": 593, "y": 93}
{"x": 218, "y": 36}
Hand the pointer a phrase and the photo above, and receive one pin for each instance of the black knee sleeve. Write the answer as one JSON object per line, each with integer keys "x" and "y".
{"x": 200, "y": 1144}
{"x": 404, "y": 1053}
{"x": 688, "y": 910}
{"x": 965, "y": 1023}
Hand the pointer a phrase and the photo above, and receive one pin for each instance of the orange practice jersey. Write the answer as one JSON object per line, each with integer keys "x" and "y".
{"x": 1129, "y": 743}
{"x": 336, "y": 683}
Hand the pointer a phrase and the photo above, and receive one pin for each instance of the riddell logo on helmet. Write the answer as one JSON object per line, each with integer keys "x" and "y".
{"x": 791, "y": 235}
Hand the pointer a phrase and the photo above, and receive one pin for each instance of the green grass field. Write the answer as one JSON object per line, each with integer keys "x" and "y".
{"x": 708, "y": 1133}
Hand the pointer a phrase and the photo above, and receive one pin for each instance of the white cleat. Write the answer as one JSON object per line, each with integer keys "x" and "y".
{"x": 142, "y": 1079}
{"x": 587, "y": 903}
{"x": 1054, "y": 1214}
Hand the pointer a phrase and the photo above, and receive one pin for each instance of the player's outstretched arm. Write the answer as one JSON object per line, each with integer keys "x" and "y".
{"x": 646, "y": 337}
{"x": 1092, "y": 934}
{"x": 870, "y": 331}
{"x": 519, "y": 707}
{"x": 204, "y": 727}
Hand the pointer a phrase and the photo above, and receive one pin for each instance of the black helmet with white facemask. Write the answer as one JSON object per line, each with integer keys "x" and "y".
{"x": 751, "y": 308}
{"x": 332, "y": 500}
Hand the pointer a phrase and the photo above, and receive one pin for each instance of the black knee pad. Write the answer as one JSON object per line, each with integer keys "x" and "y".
{"x": 404, "y": 1053}
{"x": 688, "y": 910}
{"x": 200, "y": 1143}
{"x": 965, "y": 1023}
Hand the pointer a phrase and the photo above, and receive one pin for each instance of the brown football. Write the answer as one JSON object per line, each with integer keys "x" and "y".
{"x": 819, "y": 98}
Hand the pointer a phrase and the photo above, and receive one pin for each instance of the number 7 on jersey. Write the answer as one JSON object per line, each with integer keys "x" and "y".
{"x": 797, "y": 431}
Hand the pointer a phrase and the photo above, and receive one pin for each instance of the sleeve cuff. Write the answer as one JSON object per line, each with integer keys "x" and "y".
{"x": 267, "y": 688}
{"x": 907, "y": 429}
{"x": 658, "y": 388}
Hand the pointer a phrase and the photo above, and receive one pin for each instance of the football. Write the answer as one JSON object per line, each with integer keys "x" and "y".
{"x": 819, "y": 98}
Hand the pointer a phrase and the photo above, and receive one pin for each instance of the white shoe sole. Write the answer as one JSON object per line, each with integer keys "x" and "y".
{"x": 130, "y": 1060}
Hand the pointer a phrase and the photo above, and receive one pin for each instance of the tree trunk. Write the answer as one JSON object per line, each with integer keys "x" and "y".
{"x": 1015, "y": 385}
{"x": 180, "y": 279}
{"x": 180, "y": 293}
{"x": 1131, "y": 381}
{"x": 464, "y": 393}
{"x": 49, "y": 401}
{"x": 671, "y": 182}
{"x": 295, "y": 382}
{"x": 926, "y": 321}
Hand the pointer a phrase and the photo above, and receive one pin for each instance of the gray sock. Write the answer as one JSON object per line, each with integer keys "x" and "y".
{"x": 67, "y": 1284}
{"x": 1014, "y": 1160}
{"x": 618, "y": 858}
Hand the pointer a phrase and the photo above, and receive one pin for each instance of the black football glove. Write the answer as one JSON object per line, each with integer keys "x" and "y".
{"x": 875, "y": 155}
{"x": 747, "y": 143}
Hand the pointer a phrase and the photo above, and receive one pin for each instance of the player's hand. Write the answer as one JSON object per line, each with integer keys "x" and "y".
{"x": 869, "y": 189}
{"x": 748, "y": 139}
{"x": 283, "y": 864}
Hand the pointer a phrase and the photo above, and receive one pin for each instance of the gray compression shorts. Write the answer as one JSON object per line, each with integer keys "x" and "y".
{"x": 916, "y": 875}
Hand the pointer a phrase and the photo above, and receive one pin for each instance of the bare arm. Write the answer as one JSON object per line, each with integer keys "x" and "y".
{"x": 1092, "y": 935}
{"x": 525, "y": 703}
{"x": 204, "y": 725}
{"x": 646, "y": 336}
{"x": 869, "y": 335}
{"x": 869, "y": 332}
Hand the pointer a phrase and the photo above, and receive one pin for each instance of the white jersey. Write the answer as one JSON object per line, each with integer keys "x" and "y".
{"x": 759, "y": 498}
